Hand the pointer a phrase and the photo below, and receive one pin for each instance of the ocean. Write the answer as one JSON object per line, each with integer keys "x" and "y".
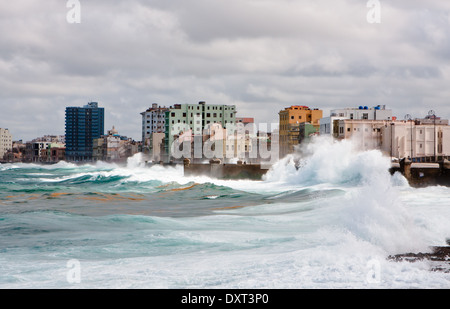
{"x": 331, "y": 223}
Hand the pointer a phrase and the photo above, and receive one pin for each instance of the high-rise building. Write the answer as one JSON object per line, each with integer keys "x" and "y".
{"x": 193, "y": 119}
{"x": 290, "y": 119}
{"x": 5, "y": 142}
{"x": 153, "y": 121}
{"x": 83, "y": 125}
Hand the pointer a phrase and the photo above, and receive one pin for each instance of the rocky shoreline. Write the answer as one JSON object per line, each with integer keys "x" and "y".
{"x": 439, "y": 258}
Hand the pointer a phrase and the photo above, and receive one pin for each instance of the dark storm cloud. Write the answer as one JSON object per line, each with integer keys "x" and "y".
{"x": 260, "y": 55}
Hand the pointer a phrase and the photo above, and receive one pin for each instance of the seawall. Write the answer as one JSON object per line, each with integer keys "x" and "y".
{"x": 219, "y": 170}
{"x": 424, "y": 174}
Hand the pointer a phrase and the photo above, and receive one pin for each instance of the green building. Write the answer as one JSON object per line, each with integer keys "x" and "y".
{"x": 195, "y": 118}
{"x": 306, "y": 131}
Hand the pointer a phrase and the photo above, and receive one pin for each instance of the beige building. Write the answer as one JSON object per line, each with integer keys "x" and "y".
{"x": 418, "y": 139}
{"x": 366, "y": 134}
{"x": 5, "y": 142}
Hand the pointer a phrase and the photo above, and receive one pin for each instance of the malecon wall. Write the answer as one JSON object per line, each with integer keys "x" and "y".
{"x": 424, "y": 174}
{"x": 216, "y": 169}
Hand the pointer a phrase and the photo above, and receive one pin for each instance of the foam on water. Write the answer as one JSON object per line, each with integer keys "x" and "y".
{"x": 321, "y": 225}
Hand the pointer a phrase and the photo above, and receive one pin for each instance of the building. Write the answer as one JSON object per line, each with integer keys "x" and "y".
{"x": 290, "y": 118}
{"x": 17, "y": 153}
{"x": 5, "y": 142}
{"x": 366, "y": 134}
{"x": 153, "y": 121}
{"x": 83, "y": 125}
{"x": 191, "y": 122}
{"x": 378, "y": 112}
{"x": 113, "y": 147}
{"x": 306, "y": 131}
{"x": 156, "y": 146}
{"x": 419, "y": 140}
{"x": 53, "y": 153}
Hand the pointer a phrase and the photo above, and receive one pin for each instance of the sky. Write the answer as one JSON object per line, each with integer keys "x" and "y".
{"x": 260, "y": 55}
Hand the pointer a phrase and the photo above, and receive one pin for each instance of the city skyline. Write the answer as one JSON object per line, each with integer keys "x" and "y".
{"x": 260, "y": 57}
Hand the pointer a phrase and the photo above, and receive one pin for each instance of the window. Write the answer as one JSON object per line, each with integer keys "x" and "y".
{"x": 348, "y": 129}
{"x": 365, "y": 116}
{"x": 172, "y": 114}
{"x": 299, "y": 117}
{"x": 292, "y": 117}
{"x": 184, "y": 114}
{"x": 208, "y": 115}
{"x": 215, "y": 115}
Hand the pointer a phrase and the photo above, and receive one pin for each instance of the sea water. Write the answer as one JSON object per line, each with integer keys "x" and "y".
{"x": 329, "y": 220}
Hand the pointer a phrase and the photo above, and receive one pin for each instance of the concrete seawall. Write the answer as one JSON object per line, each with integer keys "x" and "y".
{"x": 424, "y": 174}
{"x": 417, "y": 174}
{"x": 216, "y": 169}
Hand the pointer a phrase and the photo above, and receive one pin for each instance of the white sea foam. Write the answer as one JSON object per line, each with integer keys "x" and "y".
{"x": 318, "y": 241}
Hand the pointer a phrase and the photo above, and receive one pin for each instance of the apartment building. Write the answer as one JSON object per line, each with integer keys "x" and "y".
{"x": 378, "y": 112}
{"x": 419, "y": 140}
{"x": 113, "y": 147}
{"x": 153, "y": 121}
{"x": 83, "y": 125}
{"x": 290, "y": 119}
{"x": 5, "y": 142}
{"x": 191, "y": 122}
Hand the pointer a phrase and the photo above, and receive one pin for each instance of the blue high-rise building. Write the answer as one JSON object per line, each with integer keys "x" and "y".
{"x": 83, "y": 125}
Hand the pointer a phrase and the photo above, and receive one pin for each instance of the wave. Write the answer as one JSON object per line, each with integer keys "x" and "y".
{"x": 328, "y": 161}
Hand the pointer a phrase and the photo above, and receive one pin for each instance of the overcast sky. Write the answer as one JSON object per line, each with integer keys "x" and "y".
{"x": 261, "y": 55}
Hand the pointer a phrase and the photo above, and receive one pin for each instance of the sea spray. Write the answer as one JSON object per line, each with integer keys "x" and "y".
{"x": 307, "y": 225}
{"x": 371, "y": 209}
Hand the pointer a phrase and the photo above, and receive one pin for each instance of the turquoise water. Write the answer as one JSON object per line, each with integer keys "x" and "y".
{"x": 325, "y": 225}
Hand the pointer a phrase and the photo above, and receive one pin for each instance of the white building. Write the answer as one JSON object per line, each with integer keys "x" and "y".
{"x": 418, "y": 139}
{"x": 362, "y": 113}
{"x": 422, "y": 142}
{"x": 5, "y": 142}
{"x": 153, "y": 121}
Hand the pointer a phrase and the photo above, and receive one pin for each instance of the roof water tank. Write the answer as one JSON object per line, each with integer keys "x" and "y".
{"x": 365, "y": 107}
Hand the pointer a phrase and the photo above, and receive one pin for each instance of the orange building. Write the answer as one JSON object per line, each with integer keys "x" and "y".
{"x": 290, "y": 118}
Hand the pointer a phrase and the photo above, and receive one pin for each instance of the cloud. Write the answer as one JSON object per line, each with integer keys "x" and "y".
{"x": 261, "y": 55}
